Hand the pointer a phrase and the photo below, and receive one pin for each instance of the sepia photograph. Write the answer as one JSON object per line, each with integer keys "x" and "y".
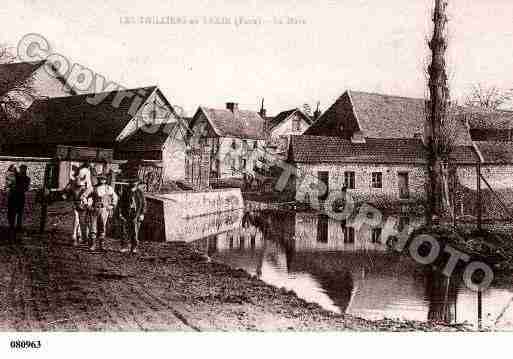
{"x": 286, "y": 167}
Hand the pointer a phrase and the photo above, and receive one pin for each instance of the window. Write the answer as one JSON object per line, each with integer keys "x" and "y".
{"x": 217, "y": 168}
{"x": 255, "y": 145}
{"x": 244, "y": 164}
{"x": 404, "y": 191}
{"x": 296, "y": 124}
{"x": 376, "y": 235}
{"x": 349, "y": 181}
{"x": 348, "y": 235}
{"x": 377, "y": 180}
{"x": 322, "y": 229}
{"x": 323, "y": 181}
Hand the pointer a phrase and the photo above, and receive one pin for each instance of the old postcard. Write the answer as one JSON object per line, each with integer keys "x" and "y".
{"x": 271, "y": 166}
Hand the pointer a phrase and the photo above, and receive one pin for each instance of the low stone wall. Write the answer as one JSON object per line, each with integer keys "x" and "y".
{"x": 188, "y": 215}
{"x": 36, "y": 169}
{"x": 191, "y": 203}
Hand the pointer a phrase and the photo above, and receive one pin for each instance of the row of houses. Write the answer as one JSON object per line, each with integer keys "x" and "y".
{"x": 147, "y": 128}
{"x": 371, "y": 144}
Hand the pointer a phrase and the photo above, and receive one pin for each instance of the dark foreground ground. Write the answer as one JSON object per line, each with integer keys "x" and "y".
{"x": 48, "y": 285}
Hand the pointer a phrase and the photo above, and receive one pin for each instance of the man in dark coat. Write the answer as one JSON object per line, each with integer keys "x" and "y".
{"x": 132, "y": 207}
{"x": 21, "y": 187}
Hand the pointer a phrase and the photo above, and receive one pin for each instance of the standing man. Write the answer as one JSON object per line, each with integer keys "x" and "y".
{"x": 22, "y": 186}
{"x": 105, "y": 200}
{"x": 10, "y": 189}
{"x": 132, "y": 207}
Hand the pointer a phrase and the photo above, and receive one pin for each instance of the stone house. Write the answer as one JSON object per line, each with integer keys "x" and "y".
{"x": 375, "y": 170}
{"x": 372, "y": 145}
{"x": 234, "y": 137}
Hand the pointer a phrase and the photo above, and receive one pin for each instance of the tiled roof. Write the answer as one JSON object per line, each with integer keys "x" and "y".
{"x": 241, "y": 124}
{"x": 73, "y": 119}
{"x": 282, "y": 116}
{"x": 496, "y": 152}
{"x": 317, "y": 149}
{"x": 382, "y": 116}
{"x": 12, "y": 74}
{"x": 482, "y": 119}
{"x": 377, "y": 116}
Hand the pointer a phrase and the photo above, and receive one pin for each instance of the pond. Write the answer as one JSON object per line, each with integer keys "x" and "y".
{"x": 346, "y": 267}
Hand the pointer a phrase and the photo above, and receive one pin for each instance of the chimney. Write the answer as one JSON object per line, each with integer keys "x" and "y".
{"x": 263, "y": 111}
{"x": 317, "y": 113}
{"x": 232, "y": 106}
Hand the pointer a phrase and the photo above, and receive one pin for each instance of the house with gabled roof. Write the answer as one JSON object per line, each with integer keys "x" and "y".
{"x": 233, "y": 136}
{"x": 372, "y": 145}
{"x": 138, "y": 124}
{"x": 41, "y": 76}
{"x": 287, "y": 123}
{"x": 92, "y": 120}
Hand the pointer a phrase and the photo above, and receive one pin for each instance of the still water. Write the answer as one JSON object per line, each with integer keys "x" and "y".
{"x": 343, "y": 266}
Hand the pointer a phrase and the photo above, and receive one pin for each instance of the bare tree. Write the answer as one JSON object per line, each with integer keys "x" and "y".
{"x": 16, "y": 91}
{"x": 440, "y": 123}
{"x": 490, "y": 98}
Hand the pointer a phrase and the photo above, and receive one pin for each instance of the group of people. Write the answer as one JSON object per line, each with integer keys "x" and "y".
{"x": 93, "y": 205}
{"x": 17, "y": 183}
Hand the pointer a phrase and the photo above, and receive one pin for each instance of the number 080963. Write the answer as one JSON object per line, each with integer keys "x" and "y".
{"x": 25, "y": 344}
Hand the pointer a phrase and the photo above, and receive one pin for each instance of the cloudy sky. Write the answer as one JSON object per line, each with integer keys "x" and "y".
{"x": 369, "y": 45}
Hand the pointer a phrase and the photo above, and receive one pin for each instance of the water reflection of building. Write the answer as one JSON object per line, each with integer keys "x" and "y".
{"x": 358, "y": 280}
{"x": 321, "y": 233}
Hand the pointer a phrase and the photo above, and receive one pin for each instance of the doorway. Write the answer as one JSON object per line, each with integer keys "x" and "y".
{"x": 323, "y": 177}
{"x": 404, "y": 190}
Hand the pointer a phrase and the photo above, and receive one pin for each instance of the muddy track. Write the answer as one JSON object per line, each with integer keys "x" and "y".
{"x": 139, "y": 286}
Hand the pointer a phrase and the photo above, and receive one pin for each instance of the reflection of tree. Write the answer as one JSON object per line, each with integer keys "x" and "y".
{"x": 332, "y": 276}
{"x": 441, "y": 293}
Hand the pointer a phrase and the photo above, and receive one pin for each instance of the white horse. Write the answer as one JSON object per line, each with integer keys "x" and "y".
{"x": 79, "y": 190}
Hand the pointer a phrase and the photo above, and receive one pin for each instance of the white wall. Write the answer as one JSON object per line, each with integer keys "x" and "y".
{"x": 228, "y": 156}
{"x": 173, "y": 159}
{"x": 286, "y": 127}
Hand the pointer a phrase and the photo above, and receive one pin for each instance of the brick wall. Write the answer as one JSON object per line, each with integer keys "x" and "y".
{"x": 363, "y": 180}
{"x": 36, "y": 169}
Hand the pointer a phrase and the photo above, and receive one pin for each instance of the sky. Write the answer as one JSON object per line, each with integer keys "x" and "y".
{"x": 367, "y": 45}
